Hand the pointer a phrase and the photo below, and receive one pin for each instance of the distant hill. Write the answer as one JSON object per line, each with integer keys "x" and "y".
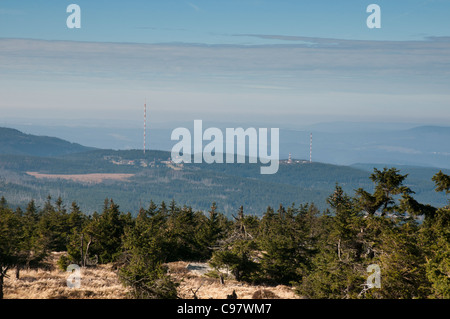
{"x": 340, "y": 143}
{"x": 151, "y": 176}
{"x": 428, "y": 129}
{"x": 14, "y": 142}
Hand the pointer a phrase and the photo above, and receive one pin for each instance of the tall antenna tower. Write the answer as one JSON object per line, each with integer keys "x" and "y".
{"x": 310, "y": 147}
{"x": 145, "y": 121}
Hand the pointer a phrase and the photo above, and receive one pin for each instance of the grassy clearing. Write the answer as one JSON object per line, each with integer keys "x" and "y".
{"x": 102, "y": 282}
{"x": 210, "y": 288}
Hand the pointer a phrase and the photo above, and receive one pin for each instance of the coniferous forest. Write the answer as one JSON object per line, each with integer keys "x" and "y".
{"x": 322, "y": 254}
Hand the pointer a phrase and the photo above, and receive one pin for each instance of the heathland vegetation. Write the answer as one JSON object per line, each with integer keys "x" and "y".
{"x": 320, "y": 253}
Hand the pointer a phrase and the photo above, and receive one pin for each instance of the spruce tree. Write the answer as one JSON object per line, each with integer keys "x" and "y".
{"x": 238, "y": 250}
{"x": 337, "y": 270}
{"x": 435, "y": 238}
{"x": 107, "y": 229}
{"x": 10, "y": 237}
{"x": 286, "y": 245}
{"x": 143, "y": 257}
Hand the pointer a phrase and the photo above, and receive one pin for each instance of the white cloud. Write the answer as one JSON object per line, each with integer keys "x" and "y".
{"x": 360, "y": 78}
{"x": 193, "y": 6}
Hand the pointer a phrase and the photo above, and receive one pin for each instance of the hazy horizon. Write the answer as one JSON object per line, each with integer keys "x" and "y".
{"x": 74, "y": 80}
{"x": 289, "y": 62}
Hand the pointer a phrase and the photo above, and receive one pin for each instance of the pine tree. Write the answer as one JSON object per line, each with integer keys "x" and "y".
{"x": 436, "y": 242}
{"x": 107, "y": 230}
{"x": 442, "y": 182}
{"x": 435, "y": 238}
{"x": 79, "y": 238}
{"x": 286, "y": 246}
{"x": 76, "y": 219}
{"x": 388, "y": 184}
{"x": 52, "y": 226}
{"x": 211, "y": 229}
{"x": 10, "y": 237}
{"x": 143, "y": 257}
{"x": 33, "y": 245}
{"x": 337, "y": 269}
{"x": 238, "y": 251}
{"x": 402, "y": 264}
{"x": 3, "y": 203}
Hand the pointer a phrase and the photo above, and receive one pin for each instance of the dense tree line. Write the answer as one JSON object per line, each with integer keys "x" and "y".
{"x": 322, "y": 254}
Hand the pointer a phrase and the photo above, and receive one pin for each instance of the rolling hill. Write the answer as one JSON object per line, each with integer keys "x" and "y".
{"x": 42, "y": 166}
{"x": 339, "y": 143}
{"x": 14, "y": 142}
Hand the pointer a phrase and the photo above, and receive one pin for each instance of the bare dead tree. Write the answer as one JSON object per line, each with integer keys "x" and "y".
{"x": 85, "y": 252}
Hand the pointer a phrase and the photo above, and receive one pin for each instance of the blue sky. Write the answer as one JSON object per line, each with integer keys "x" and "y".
{"x": 214, "y": 21}
{"x": 127, "y": 51}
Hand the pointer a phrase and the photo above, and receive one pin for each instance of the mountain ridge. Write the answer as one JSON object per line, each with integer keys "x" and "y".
{"x": 15, "y": 142}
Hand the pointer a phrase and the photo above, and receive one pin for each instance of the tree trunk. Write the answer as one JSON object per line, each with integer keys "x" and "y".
{"x": 1, "y": 286}
{"x": 2, "y": 275}
{"x": 17, "y": 271}
{"x": 237, "y": 275}
{"x": 339, "y": 249}
{"x": 87, "y": 251}
{"x": 82, "y": 251}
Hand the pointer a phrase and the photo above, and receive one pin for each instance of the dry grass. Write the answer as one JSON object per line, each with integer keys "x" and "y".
{"x": 84, "y": 178}
{"x": 102, "y": 282}
{"x": 207, "y": 288}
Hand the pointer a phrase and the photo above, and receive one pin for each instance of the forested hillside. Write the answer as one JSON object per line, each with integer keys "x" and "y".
{"x": 34, "y": 167}
{"x": 152, "y": 177}
{"x": 14, "y": 142}
{"x": 322, "y": 254}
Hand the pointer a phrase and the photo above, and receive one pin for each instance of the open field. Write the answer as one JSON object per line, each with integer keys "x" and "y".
{"x": 84, "y": 178}
{"x": 102, "y": 282}
{"x": 210, "y": 288}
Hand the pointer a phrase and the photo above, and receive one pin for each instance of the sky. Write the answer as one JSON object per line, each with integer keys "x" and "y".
{"x": 277, "y": 62}
{"x": 219, "y": 21}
